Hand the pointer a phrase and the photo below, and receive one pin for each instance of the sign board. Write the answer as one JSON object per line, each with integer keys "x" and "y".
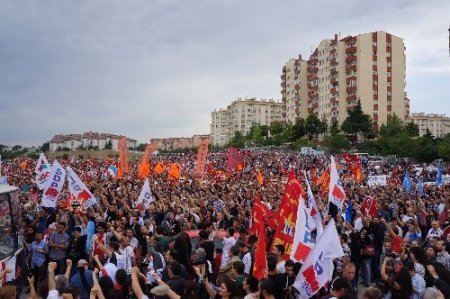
{"x": 376, "y": 180}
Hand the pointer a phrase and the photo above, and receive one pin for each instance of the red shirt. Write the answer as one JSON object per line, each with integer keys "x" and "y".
{"x": 397, "y": 243}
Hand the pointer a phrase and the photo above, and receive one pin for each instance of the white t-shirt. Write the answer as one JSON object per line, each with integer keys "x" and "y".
{"x": 280, "y": 267}
{"x": 127, "y": 254}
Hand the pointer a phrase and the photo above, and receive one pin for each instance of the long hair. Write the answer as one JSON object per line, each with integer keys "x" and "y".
{"x": 420, "y": 255}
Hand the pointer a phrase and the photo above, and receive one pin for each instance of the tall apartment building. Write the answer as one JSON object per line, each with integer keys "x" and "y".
{"x": 369, "y": 67}
{"x": 437, "y": 124}
{"x": 294, "y": 89}
{"x": 240, "y": 116}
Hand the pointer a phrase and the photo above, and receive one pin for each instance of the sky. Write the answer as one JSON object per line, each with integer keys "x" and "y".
{"x": 149, "y": 69}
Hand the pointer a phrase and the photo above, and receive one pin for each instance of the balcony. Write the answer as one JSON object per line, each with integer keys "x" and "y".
{"x": 374, "y": 77}
{"x": 351, "y": 50}
{"x": 350, "y": 59}
{"x": 351, "y": 89}
{"x": 333, "y": 62}
{"x": 333, "y": 90}
{"x": 351, "y": 98}
{"x": 334, "y": 81}
{"x": 350, "y": 68}
{"x": 283, "y": 77}
{"x": 351, "y": 78}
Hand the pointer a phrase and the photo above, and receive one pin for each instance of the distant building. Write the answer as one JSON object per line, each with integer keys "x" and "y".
{"x": 240, "y": 116}
{"x": 369, "y": 67}
{"x": 438, "y": 124}
{"x": 176, "y": 143}
{"x": 88, "y": 140}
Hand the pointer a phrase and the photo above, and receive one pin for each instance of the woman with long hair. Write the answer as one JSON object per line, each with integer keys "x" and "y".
{"x": 419, "y": 258}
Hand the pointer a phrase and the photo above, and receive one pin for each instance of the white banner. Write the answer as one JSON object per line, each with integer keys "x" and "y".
{"x": 79, "y": 190}
{"x": 318, "y": 267}
{"x": 376, "y": 180}
{"x": 54, "y": 185}
{"x": 312, "y": 208}
{"x": 303, "y": 239}
{"x": 336, "y": 193}
{"x": 9, "y": 264}
{"x": 145, "y": 198}
{"x": 42, "y": 171}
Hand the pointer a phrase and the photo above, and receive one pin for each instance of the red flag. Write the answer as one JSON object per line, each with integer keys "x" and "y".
{"x": 284, "y": 234}
{"x": 274, "y": 220}
{"x": 235, "y": 160}
{"x": 259, "y": 211}
{"x": 314, "y": 178}
{"x": 260, "y": 265}
{"x": 373, "y": 210}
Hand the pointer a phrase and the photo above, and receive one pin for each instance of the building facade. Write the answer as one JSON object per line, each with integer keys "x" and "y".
{"x": 88, "y": 140}
{"x": 437, "y": 124}
{"x": 294, "y": 89}
{"x": 240, "y": 116}
{"x": 369, "y": 67}
{"x": 176, "y": 143}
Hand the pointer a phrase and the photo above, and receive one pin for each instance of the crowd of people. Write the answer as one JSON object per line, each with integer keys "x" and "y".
{"x": 193, "y": 241}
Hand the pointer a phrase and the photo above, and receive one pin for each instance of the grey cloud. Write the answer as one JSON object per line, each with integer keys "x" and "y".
{"x": 158, "y": 68}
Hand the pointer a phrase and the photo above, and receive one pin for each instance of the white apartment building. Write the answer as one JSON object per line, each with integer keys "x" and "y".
{"x": 88, "y": 139}
{"x": 369, "y": 67}
{"x": 240, "y": 116}
{"x": 437, "y": 124}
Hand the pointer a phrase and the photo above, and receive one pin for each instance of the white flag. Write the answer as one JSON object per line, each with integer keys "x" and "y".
{"x": 303, "y": 239}
{"x": 318, "y": 267}
{"x": 11, "y": 264}
{"x": 54, "y": 185}
{"x": 145, "y": 198}
{"x": 336, "y": 193}
{"x": 42, "y": 171}
{"x": 79, "y": 190}
{"x": 312, "y": 209}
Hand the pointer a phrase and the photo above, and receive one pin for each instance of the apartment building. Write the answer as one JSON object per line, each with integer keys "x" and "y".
{"x": 175, "y": 143}
{"x": 88, "y": 140}
{"x": 294, "y": 89}
{"x": 437, "y": 124}
{"x": 369, "y": 67}
{"x": 240, "y": 116}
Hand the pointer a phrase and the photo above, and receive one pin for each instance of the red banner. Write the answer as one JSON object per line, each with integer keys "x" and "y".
{"x": 235, "y": 161}
{"x": 284, "y": 234}
{"x": 354, "y": 164}
{"x": 201, "y": 158}
{"x": 123, "y": 160}
{"x": 148, "y": 153}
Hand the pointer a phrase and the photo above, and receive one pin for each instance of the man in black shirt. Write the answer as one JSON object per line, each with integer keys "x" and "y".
{"x": 274, "y": 276}
{"x": 206, "y": 244}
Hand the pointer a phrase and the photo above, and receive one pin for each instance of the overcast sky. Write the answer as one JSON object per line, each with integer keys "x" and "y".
{"x": 150, "y": 69}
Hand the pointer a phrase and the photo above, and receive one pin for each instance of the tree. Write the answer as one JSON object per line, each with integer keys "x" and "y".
{"x": 45, "y": 147}
{"x": 313, "y": 126}
{"x": 276, "y": 127}
{"x": 334, "y": 128}
{"x": 336, "y": 143}
{"x": 299, "y": 128}
{"x": 393, "y": 128}
{"x": 255, "y": 136}
{"x": 357, "y": 122}
{"x": 238, "y": 140}
{"x": 265, "y": 130}
{"x": 428, "y": 134}
{"x": 412, "y": 129}
{"x": 108, "y": 145}
{"x": 444, "y": 148}
{"x": 141, "y": 147}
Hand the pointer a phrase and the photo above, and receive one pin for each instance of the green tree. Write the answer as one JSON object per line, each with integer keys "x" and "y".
{"x": 299, "y": 128}
{"x": 313, "y": 126}
{"x": 394, "y": 127}
{"x": 141, "y": 147}
{"x": 276, "y": 127}
{"x": 334, "y": 128}
{"x": 45, "y": 147}
{"x": 238, "y": 140}
{"x": 412, "y": 129}
{"x": 357, "y": 122}
{"x": 444, "y": 148}
{"x": 336, "y": 143}
{"x": 108, "y": 145}
{"x": 255, "y": 136}
{"x": 265, "y": 130}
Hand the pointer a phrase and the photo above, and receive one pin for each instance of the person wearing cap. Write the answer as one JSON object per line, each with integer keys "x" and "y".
{"x": 339, "y": 288}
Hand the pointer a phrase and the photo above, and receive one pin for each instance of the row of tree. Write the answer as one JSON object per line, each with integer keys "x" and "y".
{"x": 357, "y": 132}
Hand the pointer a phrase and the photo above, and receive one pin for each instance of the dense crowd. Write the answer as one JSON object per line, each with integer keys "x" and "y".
{"x": 194, "y": 242}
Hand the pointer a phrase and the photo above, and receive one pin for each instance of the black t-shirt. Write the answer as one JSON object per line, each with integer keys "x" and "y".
{"x": 209, "y": 249}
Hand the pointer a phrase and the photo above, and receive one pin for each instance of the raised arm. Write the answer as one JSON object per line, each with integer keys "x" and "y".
{"x": 388, "y": 227}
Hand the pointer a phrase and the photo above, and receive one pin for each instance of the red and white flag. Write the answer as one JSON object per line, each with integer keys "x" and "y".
{"x": 145, "y": 197}
{"x": 54, "y": 185}
{"x": 79, "y": 190}
{"x": 313, "y": 210}
{"x": 303, "y": 239}
{"x": 11, "y": 264}
{"x": 42, "y": 171}
{"x": 336, "y": 193}
{"x": 318, "y": 267}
